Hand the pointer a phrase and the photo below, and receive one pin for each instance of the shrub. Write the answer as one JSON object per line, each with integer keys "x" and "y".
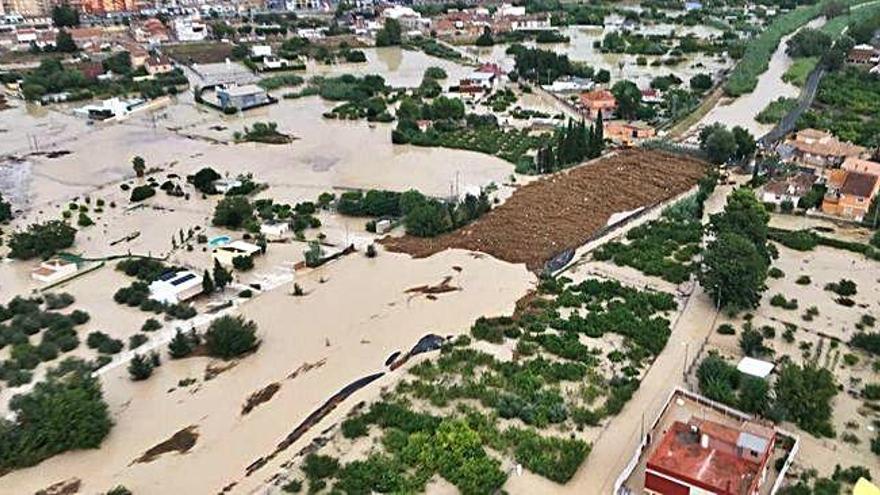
{"x": 850, "y": 359}
{"x": 871, "y": 391}
{"x": 243, "y": 263}
{"x": 803, "y": 280}
{"x": 292, "y": 486}
{"x": 780, "y": 301}
{"x": 141, "y": 193}
{"x": 775, "y": 273}
{"x": 151, "y": 325}
{"x": 844, "y": 287}
{"x": 317, "y": 467}
{"x": 228, "y": 337}
{"x": 58, "y": 301}
{"x": 726, "y": 329}
{"x": 141, "y": 366}
{"x": 137, "y": 340}
{"x": 64, "y": 412}
{"x": 103, "y": 343}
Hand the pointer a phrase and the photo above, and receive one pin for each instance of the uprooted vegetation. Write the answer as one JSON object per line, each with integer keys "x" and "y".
{"x": 529, "y": 228}
{"x": 457, "y": 415}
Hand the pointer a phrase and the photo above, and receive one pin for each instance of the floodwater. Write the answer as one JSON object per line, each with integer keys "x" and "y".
{"x": 326, "y": 153}
{"x": 352, "y": 321}
{"x": 581, "y": 48}
{"x": 743, "y": 110}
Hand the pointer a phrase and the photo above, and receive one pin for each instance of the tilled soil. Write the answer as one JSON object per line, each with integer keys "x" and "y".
{"x": 565, "y": 210}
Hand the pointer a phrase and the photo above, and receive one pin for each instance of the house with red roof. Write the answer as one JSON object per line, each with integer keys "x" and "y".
{"x": 703, "y": 456}
{"x": 598, "y": 100}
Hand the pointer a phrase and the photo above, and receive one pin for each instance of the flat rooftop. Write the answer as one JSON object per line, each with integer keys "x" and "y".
{"x": 713, "y": 465}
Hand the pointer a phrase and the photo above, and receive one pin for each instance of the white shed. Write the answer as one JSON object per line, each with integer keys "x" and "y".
{"x": 755, "y": 367}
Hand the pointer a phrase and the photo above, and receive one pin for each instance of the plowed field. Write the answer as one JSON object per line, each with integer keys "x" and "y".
{"x": 566, "y": 209}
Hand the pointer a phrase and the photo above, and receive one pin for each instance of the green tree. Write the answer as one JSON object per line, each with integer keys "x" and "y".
{"x": 233, "y": 212}
{"x": 718, "y": 143}
{"x": 746, "y": 216}
{"x": 5, "y": 210}
{"x": 207, "y": 283}
{"x": 629, "y": 99}
{"x": 140, "y": 367}
{"x": 754, "y": 395}
{"x": 701, "y": 82}
{"x": 222, "y": 276}
{"x": 751, "y": 342}
{"x": 64, "y": 42}
{"x": 182, "y": 345}
{"x": 231, "y": 336}
{"x": 43, "y": 240}
{"x": 485, "y": 38}
{"x": 63, "y": 15}
{"x": 803, "y": 396}
{"x": 745, "y": 143}
{"x": 139, "y": 166}
{"x": 390, "y": 34}
{"x": 65, "y": 412}
{"x": 733, "y": 271}
{"x": 242, "y": 263}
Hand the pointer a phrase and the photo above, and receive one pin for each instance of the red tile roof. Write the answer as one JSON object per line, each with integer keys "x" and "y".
{"x": 717, "y": 467}
{"x": 859, "y": 184}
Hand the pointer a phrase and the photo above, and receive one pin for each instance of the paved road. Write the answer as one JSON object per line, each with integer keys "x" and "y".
{"x": 808, "y": 93}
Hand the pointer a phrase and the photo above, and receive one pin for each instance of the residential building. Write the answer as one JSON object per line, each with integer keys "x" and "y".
{"x": 477, "y": 82}
{"x": 242, "y": 97}
{"x": 260, "y": 51}
{"x": 863, "y": 55}
{"x": 791, "y": 188}
{"x": 53, "y": 270}
{"x": 854, "y": 164}
{"x": 849, "y": 194}
{"x": 704, "y": 456}
{"x": 820, "y": 149}
{"x": 226, "y": 253}
{"x": 151, "y": 31}
{"x": 190, "y": 29}
{"x": 27, "y": 8}
{"x": 111, "y": 108}
{"x": 275, "y": 230}
{"x": 176, "y": 287}
{"x": 599, "y": 100}
{"x": 158, "y": 64}
{"x": 627, "y": 132}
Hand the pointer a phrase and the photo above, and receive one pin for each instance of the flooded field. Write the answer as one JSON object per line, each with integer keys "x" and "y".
{"x": 378, "y": 319}
{"x": 581, "y": 48}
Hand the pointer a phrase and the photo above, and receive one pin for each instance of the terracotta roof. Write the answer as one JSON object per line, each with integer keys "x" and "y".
{"x": 859, "y": 184}
{"x": 597, "y": 95}
{"x": 158, "y": 60}
{"x": 716, "y": 467}
{"x": 854, "y": 164}
{"x": 798, "y": 185}
{"x": 821, "y": 143}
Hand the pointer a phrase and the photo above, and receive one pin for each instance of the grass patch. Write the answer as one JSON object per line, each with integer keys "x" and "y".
{"x": 798, "y": 72}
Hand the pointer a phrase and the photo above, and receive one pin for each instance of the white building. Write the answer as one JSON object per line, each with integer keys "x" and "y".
{"x": 226, "y": 253}
{"x": 275, "y": 230}
{"x": 190, "y": 29}
{"x": 110, "y": 108}
{"x": 53, "y": 270}
{"x": 261, "y": 51}
{"x": 175, "y": 287}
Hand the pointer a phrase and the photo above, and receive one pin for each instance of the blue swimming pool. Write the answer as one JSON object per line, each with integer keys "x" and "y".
{"x": 219, "y": 240}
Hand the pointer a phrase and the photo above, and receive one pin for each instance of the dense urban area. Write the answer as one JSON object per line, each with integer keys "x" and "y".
{"x": 476, "y": 246}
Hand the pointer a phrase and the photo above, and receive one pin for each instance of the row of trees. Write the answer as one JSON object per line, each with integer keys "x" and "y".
{"x": 571, "y": 144}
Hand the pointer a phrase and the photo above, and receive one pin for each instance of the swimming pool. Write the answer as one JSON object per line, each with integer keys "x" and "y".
{"x": 219, "y": 240}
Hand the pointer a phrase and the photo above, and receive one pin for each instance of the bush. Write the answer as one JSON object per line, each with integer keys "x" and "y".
{"x": 803, "y": 280}
{"x": 843, "y": 288}
{"x": 151, "y": 325}
{"x": 243, "y": 263}
{"x": 318, "y": 467}
{"x": 137, "y": 340}
{"x": 141, "y": 366}
{"x": 775, "y": 273}
{"x": 780, "y": 301}
{"x": 726, "y": 329}
{"x": 103, "y": 343}
{"x": 64, "y": 412}
{"x": 141, "y": 193}
{"x": 229, "y": 337}
{"x": 41, "y": 240}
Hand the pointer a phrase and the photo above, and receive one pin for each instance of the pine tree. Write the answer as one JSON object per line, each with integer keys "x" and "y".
{"x": 207, "y": 283}
{"x": 140, "y": 367}
{"x": 180, "y": 346}
{"x": 600, "y": 131}
{"x": 222, "y": 277}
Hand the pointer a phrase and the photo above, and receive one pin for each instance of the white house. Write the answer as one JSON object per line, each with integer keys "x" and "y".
{"x": 275, "y": 230}
{"x": 53, "y": 270}
{"x": 110, "y": 108}
{"x": 261, "y": 51}
{"x": 226, "y": 253}
{"x": 175, "y": 287}
{"x": 190, "y": 29}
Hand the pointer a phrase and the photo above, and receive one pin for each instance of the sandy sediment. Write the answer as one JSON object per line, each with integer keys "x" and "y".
{"x": 566, "y": 209}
